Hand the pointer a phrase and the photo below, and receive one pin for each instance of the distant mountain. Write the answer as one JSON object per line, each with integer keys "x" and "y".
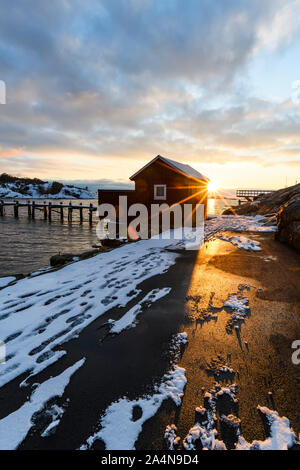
{"x": 14, "y": 187}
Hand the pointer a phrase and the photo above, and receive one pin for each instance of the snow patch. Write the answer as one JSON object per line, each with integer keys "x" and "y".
{"x": 242, "y": 243}
{"x": 240, "y": 308}
{"x": 282, "y": 436}
{"x": 233, "y": 223}
{"x": 237, "y": 303}
{"x": 171, "y": 438}
{"x": 129, "y": 319}
{"x": 15, "y": 427}
{"x": 56, "y": 413}
{"x": 119, "y": 431}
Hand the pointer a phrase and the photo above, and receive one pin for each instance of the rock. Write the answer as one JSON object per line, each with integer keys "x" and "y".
{"x": 281, "y": 207}
{"x": 268, "y": 204}
{"x": 89, "y": 253}
{"x": 60, "y": 260}
{"x": 288, "y": 220}
{"x": 111, "y": 243}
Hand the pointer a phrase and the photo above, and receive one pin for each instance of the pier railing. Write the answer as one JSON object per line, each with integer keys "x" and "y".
{"x": 250, "y": 194}
{"x": 48, "y": 208}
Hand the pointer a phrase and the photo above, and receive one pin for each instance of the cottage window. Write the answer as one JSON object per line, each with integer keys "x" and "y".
{"x": 160, "y": 192}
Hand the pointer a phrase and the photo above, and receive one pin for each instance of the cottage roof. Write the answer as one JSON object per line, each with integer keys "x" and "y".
{"x": 187, "y": 170}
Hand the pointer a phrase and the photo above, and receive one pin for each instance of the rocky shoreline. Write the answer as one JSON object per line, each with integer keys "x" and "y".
{"x": 12, "y": 187}
{"x": 281, "y": 207}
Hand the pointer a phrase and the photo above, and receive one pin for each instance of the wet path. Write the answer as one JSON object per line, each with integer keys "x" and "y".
{"x": 259, "y": 352}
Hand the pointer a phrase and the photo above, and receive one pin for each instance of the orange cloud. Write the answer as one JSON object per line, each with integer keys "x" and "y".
{"x": 9, "y": 153}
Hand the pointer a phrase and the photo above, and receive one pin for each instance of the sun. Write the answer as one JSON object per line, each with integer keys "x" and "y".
{"x": 212, "y": 186}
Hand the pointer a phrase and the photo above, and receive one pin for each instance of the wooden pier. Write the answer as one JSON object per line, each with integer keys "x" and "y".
{"x": 251, "y": 194}
{"x": 48, "y": 208}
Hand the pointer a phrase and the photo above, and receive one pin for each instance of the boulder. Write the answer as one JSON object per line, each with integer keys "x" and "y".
{"x": 288, "y": 221}
{"x": 283, "y": 207}
{"x": 61, "y": 259}
{"x": 267, "y": 204}
{"x": 112, "y": 243}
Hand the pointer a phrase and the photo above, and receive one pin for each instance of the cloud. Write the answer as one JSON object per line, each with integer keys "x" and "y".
{"x": 282, "y": 27}
{"x": 9, "y": 152}
{"x": 113, "y": 79}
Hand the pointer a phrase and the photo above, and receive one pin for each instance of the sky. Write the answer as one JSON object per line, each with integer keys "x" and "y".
{"x": 96, "y": 89}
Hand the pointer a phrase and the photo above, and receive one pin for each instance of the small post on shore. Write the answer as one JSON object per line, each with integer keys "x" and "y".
{"x": 70, "y": 212}
{"x": 1, "y": 208}
{"x": 33, "y": 210}
{"x": 29, "y": 210}
{"x": 61, "y": 213}
{"x": 91, "y": 215}
{"x": 16, "y": 209}
{"x": 45, "y": 211}
{"x": 50, "y": 211}
{"x": 81, "y": 213}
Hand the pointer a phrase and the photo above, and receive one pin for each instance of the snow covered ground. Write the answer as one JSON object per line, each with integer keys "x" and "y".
{"x": 39, "y": 313}
{"x": 233, "y": 223}
{"x": 35, "y": 191}
{"x": 4, "y": 281}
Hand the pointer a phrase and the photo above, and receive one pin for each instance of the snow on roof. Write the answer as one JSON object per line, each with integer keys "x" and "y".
{"x": 182, "y": 167}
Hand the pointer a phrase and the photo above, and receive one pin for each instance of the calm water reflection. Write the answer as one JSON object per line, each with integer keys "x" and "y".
{"x": 217, "y": 206}
{"x": 27, "y": 245}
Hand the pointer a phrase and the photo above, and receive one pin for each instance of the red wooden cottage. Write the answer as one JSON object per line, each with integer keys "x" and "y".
{"x": 162, "y": 181}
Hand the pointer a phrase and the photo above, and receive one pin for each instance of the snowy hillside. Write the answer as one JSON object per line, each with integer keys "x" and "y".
{"x": 13, "y": 187}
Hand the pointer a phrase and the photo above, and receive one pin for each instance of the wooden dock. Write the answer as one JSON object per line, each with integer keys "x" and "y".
{"x": 48, "y": 208}
{"x": 251, "y": 194}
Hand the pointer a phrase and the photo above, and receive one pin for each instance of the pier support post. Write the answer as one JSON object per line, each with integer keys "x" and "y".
{"x": 45, "y": 211}
{"x": 70, "y": 212}
{"x": 1, "y": 208}
{"x": 50, "y": 212}
{"x": 33, "y": 210}
{"x": 61, "y": 213}
{"x": 29, "y": 210}
{"x": 91, "y": 215}
{"x": 81, "y": 213}
{"x": 16, "y": 210}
